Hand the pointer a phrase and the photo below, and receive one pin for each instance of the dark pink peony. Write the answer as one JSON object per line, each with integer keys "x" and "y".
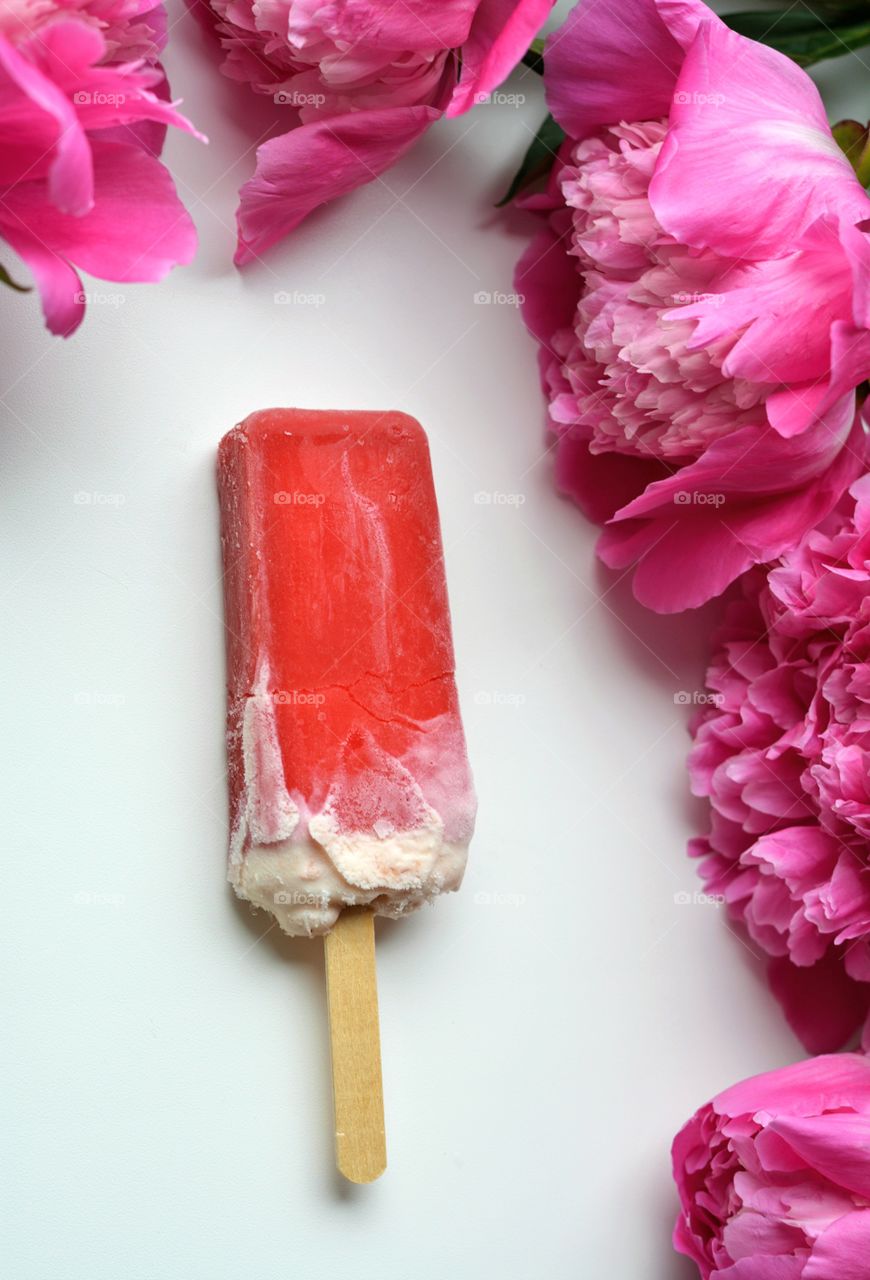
{"x": 82, "y": 120}
{"x": 700, "y": 295}
{"x": 356, "y": 84}
{"x": 774, "y": 1176}
{"x": 783, "y": 753}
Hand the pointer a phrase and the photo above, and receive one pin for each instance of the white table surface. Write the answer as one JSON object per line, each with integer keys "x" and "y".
{"x": 547, "y": 1030}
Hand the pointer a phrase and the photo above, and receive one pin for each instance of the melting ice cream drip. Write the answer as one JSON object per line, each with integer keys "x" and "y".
{"x": 269, "y": 814}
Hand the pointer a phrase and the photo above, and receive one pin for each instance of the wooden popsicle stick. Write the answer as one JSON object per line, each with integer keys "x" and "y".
{"x": 357, "y": 1087}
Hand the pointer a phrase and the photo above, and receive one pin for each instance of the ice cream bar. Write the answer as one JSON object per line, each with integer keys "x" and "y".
{"x": 349, "y": 780}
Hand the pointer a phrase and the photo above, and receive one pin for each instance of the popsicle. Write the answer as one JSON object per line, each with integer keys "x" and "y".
{"x": 349, "y": 781}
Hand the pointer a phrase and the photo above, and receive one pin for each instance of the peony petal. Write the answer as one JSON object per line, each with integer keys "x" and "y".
{"x": 755, "y": 302}
{"x": 797, "y": 854}
{"x": 842, "y": 1252}
{"x": 138, "y": 229}
{"x": 856, "y": 243}
{"x": 601, "y": 483}
{"x": 608, "y": 63}
{"x": 70, "y": 183}
{"x": 709, "y": 555}
{"x": 148, "y": 134}
{"x": 500, "y": 34}
{"x": 843, "y": 901}
{"x": 857, "y": 959}
{"x": 67, "y": 53}
{"x": 303, "y": 169}
{"x": 411, "y": 24}
{"x": 823, "y": 1006}
{"x": 836, "y": 1146}
{"x": 776, "y": 1156}
{"x": 751, "y": 464}
{"x": 713, "y": 544}
{"x": 791, "y": 409}
{"x": 804, "y": 1088}
{"x": 775, "y": 168}
{"x": 546, "y": 285}
{"x": 685, "y": 1241}
{"x": 60, "y": 288}
{"x": 763, "y": 1268}
{"x": 748, "y": 1234}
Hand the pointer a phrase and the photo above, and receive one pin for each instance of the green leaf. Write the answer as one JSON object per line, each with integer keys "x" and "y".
{"x": 805, "y": 36}
{"x": 537, "y": 161}
{"x": 853, "y": 139}
{"x": 838, "y": 6}
{"x": 534, "y": 56}
{"x": 6, "y": 279}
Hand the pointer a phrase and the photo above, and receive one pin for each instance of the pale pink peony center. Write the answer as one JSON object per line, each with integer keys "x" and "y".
{"x": 625, "y": 375}
{"x": 131, "y": 29}
{"x": 293, "y": 50}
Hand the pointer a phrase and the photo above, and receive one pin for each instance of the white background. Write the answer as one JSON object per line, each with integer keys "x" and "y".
{"x": 547, "y": 1030}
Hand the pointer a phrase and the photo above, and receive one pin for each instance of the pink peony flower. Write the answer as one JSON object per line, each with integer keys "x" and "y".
{"x": 774, "y": 1176}
{"x": 783, "y": 753}
{"x": 357, "y": 84}
{"x": 82, "y": 120}
{"x": 130, "y": 28}
{"x": 700, "y": 295}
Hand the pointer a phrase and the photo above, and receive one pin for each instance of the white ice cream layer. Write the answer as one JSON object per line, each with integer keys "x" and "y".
{"x": 306, "y": 882}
